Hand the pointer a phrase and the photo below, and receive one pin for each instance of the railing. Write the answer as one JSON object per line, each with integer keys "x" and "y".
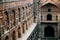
{"x": 49, "y": 38}
{"x": 53, "y": 19}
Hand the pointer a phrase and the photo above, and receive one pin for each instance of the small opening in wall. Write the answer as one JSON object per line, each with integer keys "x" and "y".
{"x": 14, "y": 16}
{"x": 26, "y": 7}
{"x": 23, "y": 8}
{"x": 19, "y": 9}
{"x": 49, "y": 31}
{"x": 19, "y": 14}
{"x": 41, "y": 18}
{"x": 23, "y": 28}
{"x": 49, "y": 10}
{"x": 56, "y": 18}
{"x": 13, "y": 36}
{"x": 13, "y": 11}
{"x": 6, "y": 13}
{"x": 6, "y": 38}
{"x": 19, "y": 33}
{"x": 49, "y": 17}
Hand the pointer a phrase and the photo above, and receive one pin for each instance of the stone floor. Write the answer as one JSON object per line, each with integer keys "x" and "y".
{"x": 39, "y": 38}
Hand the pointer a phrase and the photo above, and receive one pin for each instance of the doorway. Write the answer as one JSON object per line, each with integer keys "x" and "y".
{"x": 49, "y": 31}
{"x": 49, "y": 17}
{"x": 6, "y": 38}
{"x": 13, "y": 36}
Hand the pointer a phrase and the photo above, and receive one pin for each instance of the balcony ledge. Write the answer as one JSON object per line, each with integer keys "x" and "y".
{"x": 49, "y": 21}
{"x": 28, "y": 32}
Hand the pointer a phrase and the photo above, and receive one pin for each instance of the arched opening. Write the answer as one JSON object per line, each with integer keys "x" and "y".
{"x": 19, "y": 14}
{"x": 49, "y": 17}
{"x": 13, "y": 36}
{"x": 7, "y": 17}
{"x": 49, "y": 31}
{"x": 14, "y": 17}
{"x": 23, "y": 8}
{"x": 26, "y": 25}
{"x": 19, "y": 33}
{"x": 23, "y": 30}
{"x": 26, "y": 7}
{"x": 56, "y": 18}
{"x": 6, "y": 38}
{"x": 41, "y": 17}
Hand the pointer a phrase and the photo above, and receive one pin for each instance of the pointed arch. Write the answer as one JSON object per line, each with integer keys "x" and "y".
{"x": 49, "y": 17}
{"x": 19, "y": 32}
{"x": 6, "y": 38}
{"x": 49, "y": 4}
{"x": 13, "y": 36}
{"x": 49, "y": 31}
